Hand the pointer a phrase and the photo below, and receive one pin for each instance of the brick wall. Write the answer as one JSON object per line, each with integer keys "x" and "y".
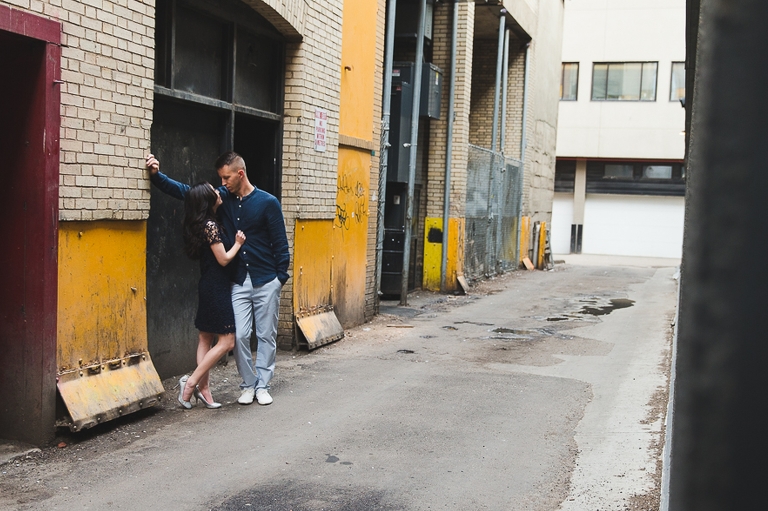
{"x": 373, "y": 202}
{"x": 438, "y": 128}
{"x": 107, "y": 67}
{"x": 312, "y": 80}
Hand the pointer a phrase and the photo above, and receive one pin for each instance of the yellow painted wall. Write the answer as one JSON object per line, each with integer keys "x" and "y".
{"x": 102, "y": 290}
{"x": 329, "y": 257}
{"x": 350, "y": 235}
{"x": 358, "y": 68}
{"x": 525, "y": 237}
{"x": 433, "y": 254}
{"x": 312, "y": 258}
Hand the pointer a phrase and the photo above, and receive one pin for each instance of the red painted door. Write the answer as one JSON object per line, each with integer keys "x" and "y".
{"x": 29, "y": 123}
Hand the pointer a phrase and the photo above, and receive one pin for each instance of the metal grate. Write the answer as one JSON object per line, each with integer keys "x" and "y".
{"x": 494, "y": 193}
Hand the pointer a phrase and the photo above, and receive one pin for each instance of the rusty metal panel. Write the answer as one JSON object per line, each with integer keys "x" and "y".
{"x": 102, "y": 392}
{"x": 320, "y": 326}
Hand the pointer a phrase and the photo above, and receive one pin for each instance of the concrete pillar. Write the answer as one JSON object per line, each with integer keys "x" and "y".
{"x": 579, "y": 200}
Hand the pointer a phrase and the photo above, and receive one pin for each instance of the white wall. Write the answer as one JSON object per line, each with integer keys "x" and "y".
{"x": 633, "y": 225}
{"x": 622, "y": 31}
{"x": 562, "y": 218}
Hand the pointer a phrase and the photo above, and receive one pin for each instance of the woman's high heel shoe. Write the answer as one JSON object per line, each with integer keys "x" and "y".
{"x": 200, "y": 397}
{"x": 182, "y": 385}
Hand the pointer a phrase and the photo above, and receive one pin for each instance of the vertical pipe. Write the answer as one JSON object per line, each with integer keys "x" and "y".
{"x": 449, "y": 147}
{"x": 504, "y": 80}
{"x": 502, "y": 148}
{"x": 523, "y": 143}
{"x": 490, "y": 252}
{"x": 389, "y": 50}
{"x": 413, "y": 148}
{"x": 499, "y": 56}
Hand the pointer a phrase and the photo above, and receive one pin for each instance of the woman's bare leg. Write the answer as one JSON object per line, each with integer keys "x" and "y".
{"x": 205, "y": 340}
{"x": 226, "y": 343}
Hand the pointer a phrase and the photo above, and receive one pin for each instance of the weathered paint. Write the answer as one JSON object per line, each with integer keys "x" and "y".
{"x": 107, "y": 391}
{"x": 312, "y": 264}
{"x": 358, "y": 69}
{"x": 102, "y": 290}
{"x": 350, "y": 236}
{"x": 542, "y": 241}
{"x": 29, "y": 143}
{"x": 525, "y": 237}
{"x": 433, "y": 254}
{"x": 104, "y": 368}
{"x": 319, "y": 326}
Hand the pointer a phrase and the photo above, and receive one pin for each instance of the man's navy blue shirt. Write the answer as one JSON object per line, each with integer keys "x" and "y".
{"x": 264, "y": 255}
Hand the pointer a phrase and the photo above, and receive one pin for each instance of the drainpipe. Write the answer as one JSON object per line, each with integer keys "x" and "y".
{"x": 500, "y": 55}
{"x": 384, "y": 151}
{"x": 490, "y": 254}
{"x": 523, "y": 143}
{"x": 449, "y": 148}
{"x": 413, "y": 148}
{"x": 504, "y": 89}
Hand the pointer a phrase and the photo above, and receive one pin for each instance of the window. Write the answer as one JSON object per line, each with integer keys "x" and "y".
{"x": 569, "y": 81}
{"x": 614, "y": 171}
{"x": 657, "y": 171}
{"x": 677, "y": 85}
{"x": 635, "y": 177}
{"x": 624, "y": 81}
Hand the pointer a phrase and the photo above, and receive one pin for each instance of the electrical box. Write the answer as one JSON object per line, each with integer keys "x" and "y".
{"x": 400, "y": 133}
{"x": 431, "y": 86}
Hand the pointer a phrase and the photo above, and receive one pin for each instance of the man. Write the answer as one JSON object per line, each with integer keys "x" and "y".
{"x": 258, "y": 272}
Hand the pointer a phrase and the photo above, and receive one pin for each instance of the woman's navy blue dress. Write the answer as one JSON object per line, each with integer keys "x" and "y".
{"x": 214, "y": 295}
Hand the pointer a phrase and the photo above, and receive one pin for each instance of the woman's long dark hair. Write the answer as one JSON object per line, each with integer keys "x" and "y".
{"x": 198, "y": 210}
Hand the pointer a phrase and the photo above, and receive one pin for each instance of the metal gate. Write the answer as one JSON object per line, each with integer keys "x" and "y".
{"x": 494, "y": 202}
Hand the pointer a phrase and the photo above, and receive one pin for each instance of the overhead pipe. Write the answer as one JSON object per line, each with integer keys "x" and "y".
{"x": 413, "y": 148}
{"x": 449, "y": 148}
{"x": 389, "y": 50}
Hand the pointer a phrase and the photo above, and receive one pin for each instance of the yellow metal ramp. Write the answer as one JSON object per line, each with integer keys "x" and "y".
{"x": 319, "y": 326}
{"x": 102, "y": 392}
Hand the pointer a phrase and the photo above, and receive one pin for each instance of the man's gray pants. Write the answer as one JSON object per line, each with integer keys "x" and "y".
{"x": 259, "y": 305}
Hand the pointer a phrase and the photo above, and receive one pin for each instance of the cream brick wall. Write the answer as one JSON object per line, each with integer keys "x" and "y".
{"x": 312, "y": 80}
{"x": 370, "y": 274}
{"x": 541, "y": 119}
{"x": 443, "y": 18}
{"x": 107, "y": 67}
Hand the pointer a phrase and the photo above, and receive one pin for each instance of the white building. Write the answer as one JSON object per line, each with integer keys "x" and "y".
{"x": 619, "y": 182}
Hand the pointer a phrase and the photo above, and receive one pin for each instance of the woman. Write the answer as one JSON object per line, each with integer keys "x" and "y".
{"x": 203, "y": 240}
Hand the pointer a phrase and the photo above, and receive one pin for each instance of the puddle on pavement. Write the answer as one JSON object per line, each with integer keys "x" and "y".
{"x": 450, "y": 327}
{"x": 472, "y": 323}
{"x": 594, "y": 309}
{"x": 407, "y": 352}
{"x": 616, "y": 303}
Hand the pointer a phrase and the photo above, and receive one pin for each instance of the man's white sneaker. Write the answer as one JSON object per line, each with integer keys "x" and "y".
{"x": 246, "y": 397}
{"x": 263, "y": 397}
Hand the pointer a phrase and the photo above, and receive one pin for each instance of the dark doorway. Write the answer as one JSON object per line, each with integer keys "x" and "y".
{"x": 29, "y": 115}
{"x": 256, "y": 140}
{"x": 186, "y": 139}
{"x": 219, "y": 86}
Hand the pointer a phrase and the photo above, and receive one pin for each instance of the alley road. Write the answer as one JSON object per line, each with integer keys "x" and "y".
{"x": 539, "y": 391}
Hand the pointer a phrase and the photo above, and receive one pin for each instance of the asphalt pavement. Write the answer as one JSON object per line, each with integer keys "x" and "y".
{"x": 537, "y": 391}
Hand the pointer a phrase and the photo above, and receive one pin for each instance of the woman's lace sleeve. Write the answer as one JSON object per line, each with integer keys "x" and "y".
{"x": 212, "y": 233}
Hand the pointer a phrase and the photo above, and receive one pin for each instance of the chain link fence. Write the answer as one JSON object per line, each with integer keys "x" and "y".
{"x": 494, "y": 201}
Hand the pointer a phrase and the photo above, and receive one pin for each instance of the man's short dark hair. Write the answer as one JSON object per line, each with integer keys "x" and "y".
{"x": 230, "y": 158}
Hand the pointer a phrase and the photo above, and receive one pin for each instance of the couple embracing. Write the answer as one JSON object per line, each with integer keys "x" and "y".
{"x": 238, "y": 233}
